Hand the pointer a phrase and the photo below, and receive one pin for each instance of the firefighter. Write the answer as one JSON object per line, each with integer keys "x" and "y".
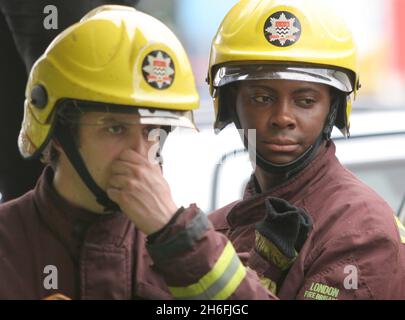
{"x": 99, "y": 103}
{"x": 306, "y": 225}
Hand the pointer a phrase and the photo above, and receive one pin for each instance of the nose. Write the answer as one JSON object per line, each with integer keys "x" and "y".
{"x": 282, "y": 116}
{"x": 138, "y": 141}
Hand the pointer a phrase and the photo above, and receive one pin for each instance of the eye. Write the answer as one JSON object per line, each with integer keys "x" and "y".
{"x": 306, "y": 102}
{"x": 116, "y": 129}
{"x": 262, "y": 99}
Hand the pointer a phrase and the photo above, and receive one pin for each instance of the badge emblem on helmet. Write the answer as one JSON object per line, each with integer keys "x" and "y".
{"x": 158, "y": 69}
{"x": 282, "y": 29}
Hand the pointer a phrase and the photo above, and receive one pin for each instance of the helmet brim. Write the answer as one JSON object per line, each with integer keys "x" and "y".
{"x": 231, "y": 73}
{"x": 70, "y": 109}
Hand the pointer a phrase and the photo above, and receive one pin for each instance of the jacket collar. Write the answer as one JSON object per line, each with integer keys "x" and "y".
{"x": 250, "y": 209}
{"x": 73, "y": 225}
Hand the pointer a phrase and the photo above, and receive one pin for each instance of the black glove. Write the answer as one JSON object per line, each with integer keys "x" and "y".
{"x": 285, "y": 226}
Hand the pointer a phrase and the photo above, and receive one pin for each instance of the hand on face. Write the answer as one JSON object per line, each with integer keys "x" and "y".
{"x": 137, "y": 185}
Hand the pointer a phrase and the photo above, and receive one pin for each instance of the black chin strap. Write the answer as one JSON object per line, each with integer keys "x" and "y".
{"x": 291, "y": 168}
{"x": 64, "y": 136}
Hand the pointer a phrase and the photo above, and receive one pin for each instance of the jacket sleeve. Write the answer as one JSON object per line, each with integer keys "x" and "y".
{"x": 356, "y": 265}
{"x": 198, "y": 262}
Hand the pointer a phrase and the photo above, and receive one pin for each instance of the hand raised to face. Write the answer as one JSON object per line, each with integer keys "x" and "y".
{"x": 137, "y": 185}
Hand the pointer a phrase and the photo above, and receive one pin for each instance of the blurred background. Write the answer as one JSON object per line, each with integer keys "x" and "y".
{"x": 196, "y": 164}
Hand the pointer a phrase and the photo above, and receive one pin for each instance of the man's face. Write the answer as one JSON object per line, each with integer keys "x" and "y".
{"x": 288, "y": 115}
{"x": 101, "y": 144}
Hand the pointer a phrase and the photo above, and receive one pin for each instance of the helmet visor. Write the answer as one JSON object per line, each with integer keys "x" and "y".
{"x": 103, "y": 114}
{"x": 331, "y": 77}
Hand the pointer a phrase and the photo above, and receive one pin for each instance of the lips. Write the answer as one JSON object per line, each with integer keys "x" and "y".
{"x": 281, "y": 145}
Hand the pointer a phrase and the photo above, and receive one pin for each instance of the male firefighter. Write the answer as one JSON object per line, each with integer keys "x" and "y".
{"x": 306, "y": 225}
{"x": 96, "y": 102}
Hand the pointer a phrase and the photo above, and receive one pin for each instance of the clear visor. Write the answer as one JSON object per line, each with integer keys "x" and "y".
{"x": 98, "y": 115}
{"x": 335, "y": 78}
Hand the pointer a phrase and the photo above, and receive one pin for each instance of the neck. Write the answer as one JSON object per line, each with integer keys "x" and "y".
{"x": 268, "y": 181}
{"x": 70, "y": 186}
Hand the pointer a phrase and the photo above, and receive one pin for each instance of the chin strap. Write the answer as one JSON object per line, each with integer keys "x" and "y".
{"x": 66, "y": 140}
{"x": 291, "y": 168}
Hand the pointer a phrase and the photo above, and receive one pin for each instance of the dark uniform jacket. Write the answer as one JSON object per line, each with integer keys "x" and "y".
{"x": 355, "y": 249}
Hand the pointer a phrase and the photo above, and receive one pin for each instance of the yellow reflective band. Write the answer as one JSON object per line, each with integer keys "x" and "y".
{"x": 401, "y": 229}
{"x": 219, "y": 283}
{"x": 233, "y": 283}
{"x": 270, "y": 252}
{"x": 268, "y": 284}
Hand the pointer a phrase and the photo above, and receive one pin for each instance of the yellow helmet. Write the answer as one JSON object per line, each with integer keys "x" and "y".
{"x": 117, "y": 56}
{"x": 283, "y": 39}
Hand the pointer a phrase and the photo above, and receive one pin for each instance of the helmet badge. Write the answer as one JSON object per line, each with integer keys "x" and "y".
{"x": 282, "y": 29}
{"x": 158, "y": 69}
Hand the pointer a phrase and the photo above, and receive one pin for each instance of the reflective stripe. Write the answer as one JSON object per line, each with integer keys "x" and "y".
{"x": 219, "y": 283}
{"x": 401, "y": 229}
{"x": 268, "y": 284}
{"x": 268, "y": 250}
